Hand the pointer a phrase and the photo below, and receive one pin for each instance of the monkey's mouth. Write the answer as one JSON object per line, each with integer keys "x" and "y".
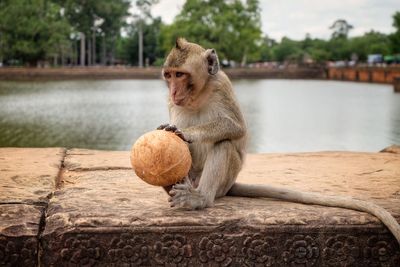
{"x": 179, "y": 102}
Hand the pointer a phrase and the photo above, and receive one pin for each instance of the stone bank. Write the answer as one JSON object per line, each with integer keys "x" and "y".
{"x": 78, "y": 207}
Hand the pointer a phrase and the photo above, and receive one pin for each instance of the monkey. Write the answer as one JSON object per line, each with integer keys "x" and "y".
{"x": 204, "y": 112}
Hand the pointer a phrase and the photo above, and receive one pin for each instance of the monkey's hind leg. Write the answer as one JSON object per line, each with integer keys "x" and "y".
{"x": 219, "y": 173}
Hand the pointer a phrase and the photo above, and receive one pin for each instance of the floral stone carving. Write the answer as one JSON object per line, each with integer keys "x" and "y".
{"x": 259, "y": 251}
{"x": 8, "y": 252}
{"x": 301, "y": 250}
{"x": 216, "y": 248}
{"x": 82, "y": 250}
{"x": 381, "y": 252}
{"x": 29, "y": 252}
{"x": 172, "y": 250}
{"x": 129, "y": 249}
{"x": 11, "y": 255}
{"x": 341, "y": 250}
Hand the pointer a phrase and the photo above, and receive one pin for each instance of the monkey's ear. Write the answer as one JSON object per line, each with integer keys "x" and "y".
{"x": 179, "y": 42}
{"x": 212, "y": 60}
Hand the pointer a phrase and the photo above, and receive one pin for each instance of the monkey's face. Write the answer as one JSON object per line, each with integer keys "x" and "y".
{"x": 187, "y": 70}
{"x": 179, "y": 84}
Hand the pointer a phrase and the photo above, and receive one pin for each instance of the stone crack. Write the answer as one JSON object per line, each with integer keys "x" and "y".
{"x": 42, "y": 223}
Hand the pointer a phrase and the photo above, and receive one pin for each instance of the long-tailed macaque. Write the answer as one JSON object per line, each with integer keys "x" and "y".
{"x": 204, "y": 112}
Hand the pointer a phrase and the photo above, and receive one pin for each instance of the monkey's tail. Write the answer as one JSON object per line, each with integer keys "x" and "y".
{"x": 252, "y": 190}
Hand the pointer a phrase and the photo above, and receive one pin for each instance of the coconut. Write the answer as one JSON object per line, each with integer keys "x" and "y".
{"x": 160, "y": 158}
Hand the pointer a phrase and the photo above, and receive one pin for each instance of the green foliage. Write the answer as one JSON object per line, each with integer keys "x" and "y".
{"x": 108, "y": 15}
{"x": 295, "y": 51}
{"x": 339, "y": 47}
{"x": 83, "y": 14}
{"x": 319, "y": 51}
{"x": 287, "y": 50}
{"x": 37, "y": 30}
{"x": 396, "y": 21}
{"x": 128, "y": 46}
{"x": 233, "y": 28}
{"x": 370, "y": 43}
{"x": 31, "y": 30}
{"x": 266, "y": 49}
{"x": 395, "y": 37}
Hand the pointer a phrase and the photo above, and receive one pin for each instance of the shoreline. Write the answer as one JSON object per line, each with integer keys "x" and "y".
{"x": 375, "y": 75}
{"x": 104, "y": 73}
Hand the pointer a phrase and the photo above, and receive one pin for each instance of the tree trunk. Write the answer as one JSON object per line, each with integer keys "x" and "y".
{"x": 112, "y": 59}
{"x": 244, "y": 58}
{"x": 74, "y": 53}
{"x": 89, "y": 50}
{"x": 140, "y": 45}
{"x": 83, "y": 50}
{"x": 62, "y": 55}
{"x": 103, "y": 53}
{"x": 94, "y": 48}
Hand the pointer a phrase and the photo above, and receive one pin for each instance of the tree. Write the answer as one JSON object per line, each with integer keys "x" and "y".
{"x": 128, "y": 46}
{"x": 83, "y": 15}
{"x": 319, "y": 51}
{"x": 339, "y": 49}
{"x": 114, "y": 14}
{"x": 370, "y": 43}
{"x": 31, "y": 30}
{"x": 288, "y": 50}
{"x": 341, "y": 28}
{"x": 266, "y": 48}
{"x": 233, "y": 28}
{"x": 395, "y": 37}
{"x": 144, "y": 14}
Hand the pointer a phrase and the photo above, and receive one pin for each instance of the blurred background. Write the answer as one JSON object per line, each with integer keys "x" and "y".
{"x": 136, "y": 33}
{"x": 337, "y": 63}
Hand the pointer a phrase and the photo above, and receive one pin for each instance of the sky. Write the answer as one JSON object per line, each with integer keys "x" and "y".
{"x": 296, "y": 18}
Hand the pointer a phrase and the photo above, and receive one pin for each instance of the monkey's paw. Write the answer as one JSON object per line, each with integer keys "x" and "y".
{"x": 174, "y": 129}
{"x": 185, "y": 196}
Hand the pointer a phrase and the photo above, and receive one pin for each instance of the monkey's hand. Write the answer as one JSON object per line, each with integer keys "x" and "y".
{"x": 174, "y": 129}
{"x": 185, "y": 196}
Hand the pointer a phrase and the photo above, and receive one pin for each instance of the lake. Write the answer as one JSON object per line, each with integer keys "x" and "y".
{"x": 282, "y": 115}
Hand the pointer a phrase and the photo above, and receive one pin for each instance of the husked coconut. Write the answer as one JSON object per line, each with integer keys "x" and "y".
{"x": 160, "y": 158}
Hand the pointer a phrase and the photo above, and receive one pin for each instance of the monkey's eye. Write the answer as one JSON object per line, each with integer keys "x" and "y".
{"x": 167, "y": 75}
{"x": 179, "y": 74}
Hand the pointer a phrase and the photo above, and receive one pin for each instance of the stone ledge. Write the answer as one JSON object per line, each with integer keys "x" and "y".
{"x": 101, "y": 214}
{"x": 28, "y": 175}
{"x": 27, "y": 181}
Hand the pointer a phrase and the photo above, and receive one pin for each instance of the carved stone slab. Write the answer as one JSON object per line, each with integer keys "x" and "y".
{"x": 103, "y": 215}
{"x": 28, "y": 175}
{"x": 19, "y": 228}
{"x": 367, "y": 176}
{"x": 84, "y": 159}
{"x": 27, "y": 180}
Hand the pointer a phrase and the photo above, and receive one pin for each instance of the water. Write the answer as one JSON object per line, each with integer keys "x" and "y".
{"x": 282, "y": 115}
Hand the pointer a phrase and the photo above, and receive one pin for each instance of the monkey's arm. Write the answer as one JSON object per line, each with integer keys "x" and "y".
{"x": 247, "y": 190}
{"x": 217, "y": 130}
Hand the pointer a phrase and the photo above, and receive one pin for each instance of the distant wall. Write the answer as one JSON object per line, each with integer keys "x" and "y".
{"x": 149, "y": 73}
{"x": 374, "y": 75}
{"x": 72, "y": 73}
{"x": 365, "y": 74}
{"x": 396, "y": 84}
{"x": 287, "y": 73}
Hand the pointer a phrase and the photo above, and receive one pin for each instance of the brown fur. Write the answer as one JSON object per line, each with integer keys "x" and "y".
{"x": 183, "y": 52}
{"x": 210, "y": 118}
